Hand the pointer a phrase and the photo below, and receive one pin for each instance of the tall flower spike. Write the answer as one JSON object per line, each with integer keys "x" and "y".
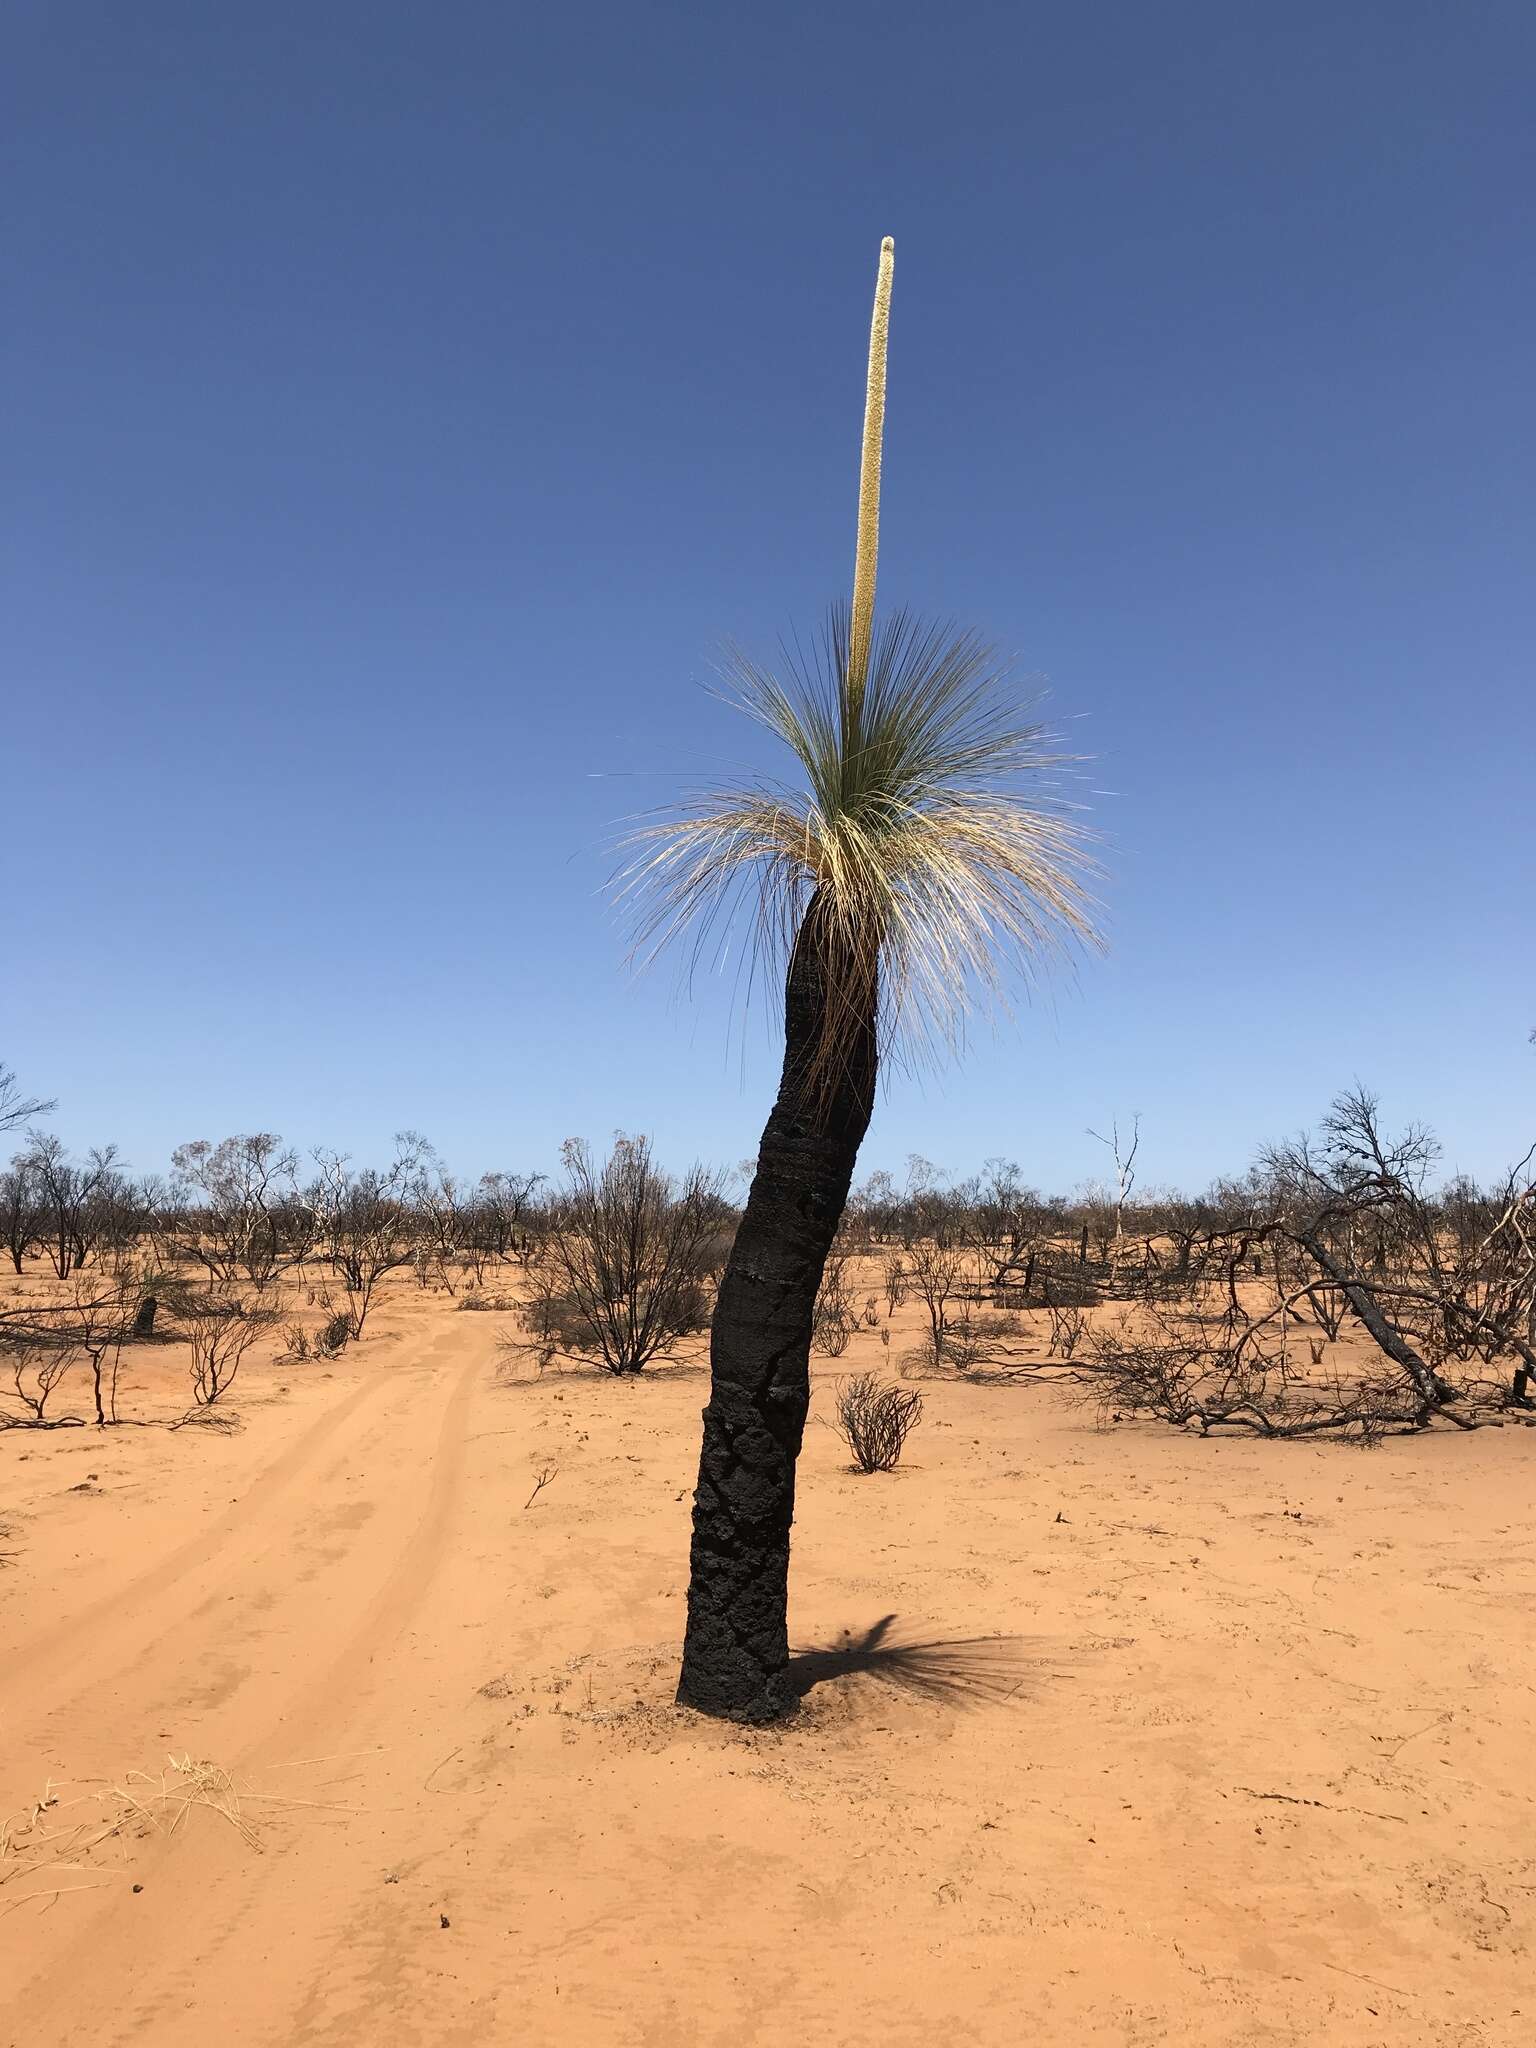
{"x": 867, "y": 547}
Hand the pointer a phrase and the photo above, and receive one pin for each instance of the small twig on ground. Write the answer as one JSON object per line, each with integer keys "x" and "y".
{"x": 1360, "y": 1978}
{"x": 224, "y": 1419}
{"x": 549, "y": 1472}
{"x": 1290, "y": 1799}
{"x": 336, "y": 1756}
{"x": 426, "y": 1783}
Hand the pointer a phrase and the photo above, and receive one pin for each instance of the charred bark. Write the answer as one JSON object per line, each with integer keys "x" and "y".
{"x": 1520, "y": 1384}
{"x": 1432, "y": 1389}
{"x": 736, "y": 1651}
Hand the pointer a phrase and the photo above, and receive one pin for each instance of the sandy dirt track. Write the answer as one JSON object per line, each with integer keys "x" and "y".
{"x": 1114, "y": 1738}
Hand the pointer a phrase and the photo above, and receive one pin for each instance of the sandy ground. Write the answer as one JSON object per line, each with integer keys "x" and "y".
{"x": 1107, "y": 1737}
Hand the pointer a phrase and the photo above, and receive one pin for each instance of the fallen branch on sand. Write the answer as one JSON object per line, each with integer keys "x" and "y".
{"x": 224, "y": 1420}
{"x": 1292, "y": 1799}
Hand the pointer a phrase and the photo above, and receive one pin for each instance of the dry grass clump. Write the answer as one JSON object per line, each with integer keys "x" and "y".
{"x": 54, "y": 1839}
{"x": 43, "y": 1844}
{"x": 329, "y": 1341}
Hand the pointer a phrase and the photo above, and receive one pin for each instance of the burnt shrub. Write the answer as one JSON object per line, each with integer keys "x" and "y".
{"x": 628, "y": 1258}
{"x": 875, "y": 1420}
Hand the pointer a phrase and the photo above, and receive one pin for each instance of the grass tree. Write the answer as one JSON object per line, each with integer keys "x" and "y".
{"x": 917, "y": 857}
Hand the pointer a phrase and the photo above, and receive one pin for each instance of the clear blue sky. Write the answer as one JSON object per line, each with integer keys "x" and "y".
{"x": 403, "y": 403}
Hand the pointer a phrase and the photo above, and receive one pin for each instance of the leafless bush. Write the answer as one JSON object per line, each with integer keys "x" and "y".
{"x": 100, "y": 1326}
{"x": 965, "y": 1346}
{"x": 1328, "y": 1306}
{"x": 835, "y": 1317}
{"x": 35, "y": 1365}
{"x": 221, "y": 1329}
{"x": 1003, "y": 1222}
{"x": 936, "y": 1270}
{"x": 971, "y": 1342}
{"x": 875, "y": 1420}
{"x": 478, "y": 1303}
{"x": 40, "y": 1344}
{"x": 894, "y": 1275}
{"x": 959, "y": 1350}
{"x": 627, "y": 1260}
{"x": 365, "y": 1224}
{"x": 1069, "y": 1326}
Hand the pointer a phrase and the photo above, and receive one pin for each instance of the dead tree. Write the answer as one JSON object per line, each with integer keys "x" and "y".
{"x": 1346, "y": 1224}
{"x": 836, "y": 1314}
{"x": 365, "y": 1225}
{"x": 234, "y": 1209}
{"x": 1003, "y": 1222}
{"x": 1123, "y": 1152}
{"x": 22, "y": 1210}
{"x": 935, "y": 1267}
{"x": 16, "y": 1109}
{"x": 504, "y": 1205}
{"x": 77, "y": 1201}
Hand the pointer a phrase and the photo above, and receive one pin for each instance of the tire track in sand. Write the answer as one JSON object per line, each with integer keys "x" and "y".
{"x": 117, "y": 1974}
{"x": 62, "y": 1644}
{"x": 127, "y": 1624}
{"x": 330, "y": 1699}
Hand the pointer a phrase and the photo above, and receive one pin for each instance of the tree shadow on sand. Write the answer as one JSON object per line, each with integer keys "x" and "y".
{"x": 955, "y": 1671}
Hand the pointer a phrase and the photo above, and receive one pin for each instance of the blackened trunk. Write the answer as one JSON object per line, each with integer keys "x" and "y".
{"x": 736, "y": 1653}
{"x": 1520, "y": 1385}
{"x": 1432, "y": 1390}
